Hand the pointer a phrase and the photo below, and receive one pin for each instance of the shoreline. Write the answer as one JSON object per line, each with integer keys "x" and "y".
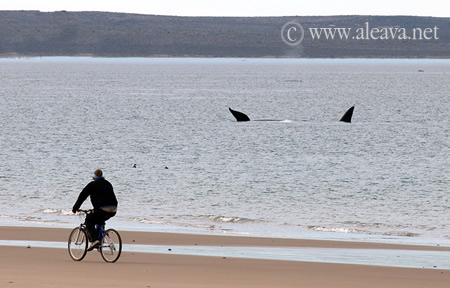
{"x": 186, "y": 239}
{"x": 310, "y": 235}
{"x": 48, "y": 267}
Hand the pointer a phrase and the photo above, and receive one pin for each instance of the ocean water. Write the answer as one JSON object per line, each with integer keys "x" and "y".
{"x": 386, "y": 175}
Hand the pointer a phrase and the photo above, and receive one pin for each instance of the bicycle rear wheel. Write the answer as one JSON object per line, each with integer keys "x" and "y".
{"x": 111, "y": 246}
{"x": 77, "y": 244}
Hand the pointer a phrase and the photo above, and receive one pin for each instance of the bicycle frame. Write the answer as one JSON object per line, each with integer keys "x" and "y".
{"x": 101, "y": 232}
{"x": 101, "y": 229}
{"x": 82, "y": 227}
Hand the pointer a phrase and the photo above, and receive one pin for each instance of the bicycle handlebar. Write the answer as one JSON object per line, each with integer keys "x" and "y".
{"x": 85, "y": 211}
{"x": 82, "y": 214}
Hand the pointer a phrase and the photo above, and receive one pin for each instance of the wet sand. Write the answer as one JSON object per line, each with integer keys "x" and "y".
{"x": 50, "y": 267}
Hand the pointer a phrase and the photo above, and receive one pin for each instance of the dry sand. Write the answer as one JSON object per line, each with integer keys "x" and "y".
{"x": 49, "y": 267}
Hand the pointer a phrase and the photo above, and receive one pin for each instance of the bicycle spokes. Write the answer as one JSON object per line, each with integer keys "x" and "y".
{"x": 111, "y": 246}
{"x": 77, "y": 244}
{"x": 79, "y": 238}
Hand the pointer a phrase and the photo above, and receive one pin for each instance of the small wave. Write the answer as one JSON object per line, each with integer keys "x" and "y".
{"x": 21, "y": 218}
{"x": 230, "y": 219}
{"x": 57, "y": 211}
{"x": 358, "y": 231}
{"x": 149, "y": 221}
{"x": 401, "y": 233}
{"x": 202, "y": 221}
{"x": 169, "y": 223}
{"x": 338, "y": 230}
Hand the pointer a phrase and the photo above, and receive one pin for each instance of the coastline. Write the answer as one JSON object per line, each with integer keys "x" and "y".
{"x": 48, "y": 267}
{"x": 171, "y": 238}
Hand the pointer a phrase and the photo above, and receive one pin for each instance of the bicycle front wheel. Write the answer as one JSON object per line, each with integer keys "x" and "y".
{"x": 77, "y": 244}
{"x": 111, "y": 246}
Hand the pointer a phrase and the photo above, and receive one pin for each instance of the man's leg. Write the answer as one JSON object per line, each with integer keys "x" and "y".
{"x": 91, "y": 220}
{"x": 107, "y": 216}
{"x": 98, "y": 217}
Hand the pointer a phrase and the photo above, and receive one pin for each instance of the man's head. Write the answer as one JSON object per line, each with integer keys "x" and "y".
{"x": 98, "y": 174}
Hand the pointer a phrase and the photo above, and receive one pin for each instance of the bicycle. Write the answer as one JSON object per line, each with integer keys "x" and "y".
{"x": 110, "y": 246}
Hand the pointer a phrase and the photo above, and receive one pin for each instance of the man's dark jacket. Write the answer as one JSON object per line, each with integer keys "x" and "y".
{"x": 101, "y": 192}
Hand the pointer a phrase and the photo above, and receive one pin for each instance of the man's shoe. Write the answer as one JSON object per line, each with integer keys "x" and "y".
{"x": 93, "y": 245}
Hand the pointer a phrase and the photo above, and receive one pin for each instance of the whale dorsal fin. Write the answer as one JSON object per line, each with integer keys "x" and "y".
{"x": 347, "y": 117}
{"x": 240, "y": 117}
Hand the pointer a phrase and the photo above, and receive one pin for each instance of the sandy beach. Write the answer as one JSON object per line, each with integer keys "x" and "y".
{"x": 52, "y": 267}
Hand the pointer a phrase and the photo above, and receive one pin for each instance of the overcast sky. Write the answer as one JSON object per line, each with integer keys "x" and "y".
{"x": 436, "y": 8}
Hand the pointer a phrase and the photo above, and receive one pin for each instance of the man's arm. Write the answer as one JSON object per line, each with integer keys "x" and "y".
{"x": 83, "y": 196}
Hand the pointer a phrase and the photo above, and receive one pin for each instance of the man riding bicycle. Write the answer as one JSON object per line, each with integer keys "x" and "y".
{"x": 104, "y": 202}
